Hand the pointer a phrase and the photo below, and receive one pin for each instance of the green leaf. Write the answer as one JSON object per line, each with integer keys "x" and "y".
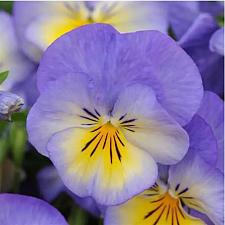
{"x": 18, "y": 139}
{"x": 6, "y": 6}
{"x": 220, "y": 20}
{"x": 78, "y": 217}
{"x": 3, "y": 76}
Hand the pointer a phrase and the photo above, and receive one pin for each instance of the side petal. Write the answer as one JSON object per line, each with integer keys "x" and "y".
{"x": 55, "y": 111}
{"x": 216, "y": 42}
{"x": 202, "y": 139}
{"x": 24, "y": 210}
{"x": 199, "y": 185}
{"x": 152, "y": 128}
{"x": 212, "y": 111}
{"x": 94, "y": 168}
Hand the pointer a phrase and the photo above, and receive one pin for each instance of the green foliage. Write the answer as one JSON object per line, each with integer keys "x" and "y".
{"x": 77, "y": 217}
{"x": 6, "y": 6}
{"x": 220, "y": 20}
{"x": 3, "y": 76}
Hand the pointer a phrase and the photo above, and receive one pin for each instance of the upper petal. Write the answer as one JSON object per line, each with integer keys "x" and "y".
{"x": 115, "y": 60}
{"x": 152, "y": 129}
{"x": 23, "y": 210}
{"x": 58, "y": 108}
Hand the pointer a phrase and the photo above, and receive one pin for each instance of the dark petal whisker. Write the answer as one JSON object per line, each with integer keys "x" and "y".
{"x": 96, "y": 129}
{"x": 128, "y": 121}
{"x": 97, "y": 113}
{"x": 182, "y": 192}
{"x": 96, "y": 146}
{"x": 88, "y": 143}
{"x": 153, "y": 211}
{"x": 122, "y": 116}
{"x": 88, "y": 118}
{"x": 129, "y": 129}
{"x": 117, "y": 149}
{"x": 119, "y": 140}
{"x": 105, "y": 140}
{"x": 90, "y": 113}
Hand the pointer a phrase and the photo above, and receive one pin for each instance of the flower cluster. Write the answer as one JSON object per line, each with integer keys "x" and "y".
{"x": 125, "y": 100}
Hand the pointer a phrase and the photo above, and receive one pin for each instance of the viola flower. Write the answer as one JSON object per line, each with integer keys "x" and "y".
{"x": 110, "y": 109}
{"x": 194, "y": 29}
{"x": 24, "y": 210}
{"x": 9, "y": 104}
{"x": 199, "y": 43}
{"x": 12, "y": 59}
{"x": 193, "y": 185}
{"x": 40, "y": 23}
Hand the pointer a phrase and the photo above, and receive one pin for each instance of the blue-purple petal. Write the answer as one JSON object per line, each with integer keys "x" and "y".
{"x": 23, "y": 210}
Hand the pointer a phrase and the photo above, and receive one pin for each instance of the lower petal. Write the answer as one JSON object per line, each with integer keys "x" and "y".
{"x": 150, "y": 207}
{"x": 93, "y": 163}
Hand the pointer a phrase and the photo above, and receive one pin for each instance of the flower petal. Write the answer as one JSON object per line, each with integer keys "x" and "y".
{"x": 216, "y": 42}
{"x": 55, "y": 111}
{"x": 116, "y": 60}
{"x": 212, "y": 111}
{"x": 196, "y": 43}
{"x": 23, "y": 210}
{"x": 152, "y": 129}
{"x": 10, "y": 56}
{"x": 90, "y": 167}
{"x": 43, "y": 31}
{"x": 132, "y": 16}
{"x": 202, "y": 139}
{"x": 150, "y": 208}
{"x": 200, "y": 186}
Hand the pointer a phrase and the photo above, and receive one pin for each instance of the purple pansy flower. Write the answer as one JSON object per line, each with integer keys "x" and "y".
{"x": 198, "y": 42}
{"x": 40, "y": 23}
{"x": 194, "y": 183}
{"x": 12, "y": 59}
{"x": 196, "y": 29}
{"x": 23, "y": 210}
{"x": 111, "y": 106}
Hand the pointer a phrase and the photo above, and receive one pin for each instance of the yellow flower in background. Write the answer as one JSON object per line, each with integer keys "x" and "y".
{"x": 41, "y": 23}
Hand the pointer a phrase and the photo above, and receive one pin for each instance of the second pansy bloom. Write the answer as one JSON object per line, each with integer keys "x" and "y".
{"x": 111, "y": 106}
